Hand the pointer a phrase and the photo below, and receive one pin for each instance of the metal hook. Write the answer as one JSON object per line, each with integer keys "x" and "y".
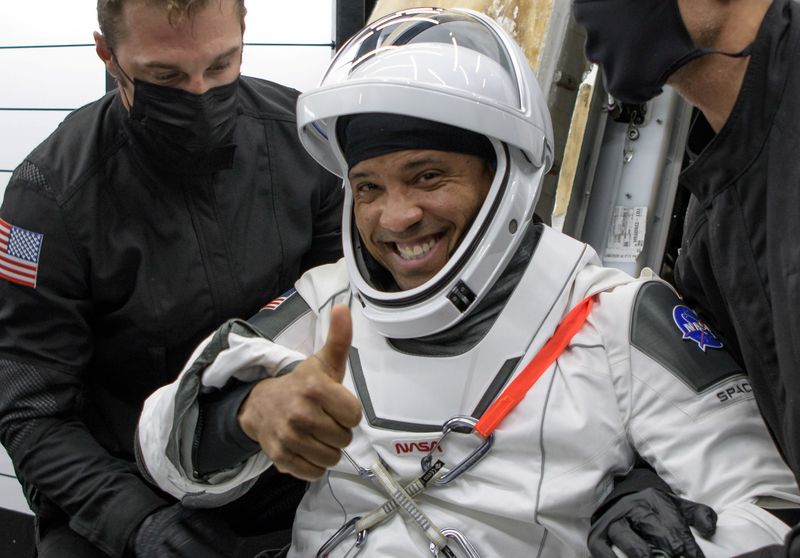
{"x": 363, "y": 472}
{"x": 355, "y": 550}
{"x": 361, "y": 538}
{"x": 462, "y": 542}
{"x": 463, "y": 425}
{"x": 336, "y": 539}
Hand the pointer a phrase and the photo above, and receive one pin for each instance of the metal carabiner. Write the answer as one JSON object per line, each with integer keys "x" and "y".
{"x": 339, "y": 536}
{"x": 363, "y": 472}
{"x": 462, "y": 425}
{"x": 457, "y": 537}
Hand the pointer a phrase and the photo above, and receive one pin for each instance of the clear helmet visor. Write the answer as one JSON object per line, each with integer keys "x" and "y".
{"x": 452, "y": 66}
{"x": 452, "y": 49}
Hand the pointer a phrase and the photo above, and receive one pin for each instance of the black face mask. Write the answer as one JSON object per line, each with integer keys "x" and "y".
{"x": 183, "y": 131}
{"x": 638, "y": 44}
{"x": 194, "y": 122}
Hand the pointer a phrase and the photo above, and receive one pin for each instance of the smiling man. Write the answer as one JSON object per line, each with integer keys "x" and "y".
{"x": 147, "y": 218}
{"x": 414, "y": 206}
{"x": 406, "y": 229}
{"x": 414, "y": 239}
{"x": 466, "y": 380}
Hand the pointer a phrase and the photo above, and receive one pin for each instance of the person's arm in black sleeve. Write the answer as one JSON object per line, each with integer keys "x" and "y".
{"x": 642, "y": 513}
{"x": 219, "y": 444}
{"x": 326, "y": 244}
{"x": 692, "y": 276}
{"x": 793, "y": 542}
{"x": 180, "y": 532}
{"x": 219, "y": 441}
{"x": 45, "y": 346}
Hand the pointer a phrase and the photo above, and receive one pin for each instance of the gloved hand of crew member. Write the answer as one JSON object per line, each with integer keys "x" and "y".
{"x": 652, "y": 519}
{"x": 303, "y": 420}
{"x": 180, "y": 532}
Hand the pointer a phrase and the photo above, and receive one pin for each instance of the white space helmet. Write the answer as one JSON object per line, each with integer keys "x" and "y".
{"x": 456, "y": 67}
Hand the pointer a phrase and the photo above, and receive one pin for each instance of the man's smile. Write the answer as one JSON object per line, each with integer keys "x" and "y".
{"x": 417, "y": 248}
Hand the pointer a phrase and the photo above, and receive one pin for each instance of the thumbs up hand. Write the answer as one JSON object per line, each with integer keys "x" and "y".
{"x": 333, "y": 354}
{"x": 302, "y": 420}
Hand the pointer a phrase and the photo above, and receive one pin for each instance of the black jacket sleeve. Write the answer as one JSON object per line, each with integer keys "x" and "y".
{"x": 326, "y": 245}
{"x": 220, "y": 442}
{"x": 45, "y": 346}
{"x": 640, "y": 477}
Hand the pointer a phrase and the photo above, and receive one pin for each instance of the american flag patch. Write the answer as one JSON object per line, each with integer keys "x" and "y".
{"x": 19, "y": 254}
{"x": 274, "y": 303}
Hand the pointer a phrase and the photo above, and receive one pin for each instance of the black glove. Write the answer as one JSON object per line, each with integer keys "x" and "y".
{"x": 180, "y": 532}
{"x": 649, "y": 520}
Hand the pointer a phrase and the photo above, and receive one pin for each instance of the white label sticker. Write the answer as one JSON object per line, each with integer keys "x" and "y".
{"x": 626, "y": 235}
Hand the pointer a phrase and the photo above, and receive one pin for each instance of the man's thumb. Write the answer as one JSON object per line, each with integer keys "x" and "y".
{"x": 337, "y": 346}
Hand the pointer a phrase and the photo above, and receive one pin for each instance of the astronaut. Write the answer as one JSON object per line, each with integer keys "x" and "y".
{"x": 466, "y": 380}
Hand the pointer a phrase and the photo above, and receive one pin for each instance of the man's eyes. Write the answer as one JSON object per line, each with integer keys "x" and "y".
{"x": 168, "y": 77}
{"x": 165, "y": 77}
{"x": 220, "y": 67}
{"x": 429, "y": 175}
{"x": 365, "y": 187}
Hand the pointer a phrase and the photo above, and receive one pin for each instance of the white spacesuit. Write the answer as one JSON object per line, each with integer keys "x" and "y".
{"x": 642, "y": 374}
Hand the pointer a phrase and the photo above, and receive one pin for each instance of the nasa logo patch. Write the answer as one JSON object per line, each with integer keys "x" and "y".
{"x": 421, "y": 447}
{"x": 692, "y": 327}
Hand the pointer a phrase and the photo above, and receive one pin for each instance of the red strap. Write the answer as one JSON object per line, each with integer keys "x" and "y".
{"x": 515, "y": 392}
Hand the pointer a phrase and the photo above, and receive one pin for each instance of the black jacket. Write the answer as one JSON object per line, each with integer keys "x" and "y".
{"x": 740, "y": 258}
{"x": 739, "y": 263}
{"x": 135, "y": 266}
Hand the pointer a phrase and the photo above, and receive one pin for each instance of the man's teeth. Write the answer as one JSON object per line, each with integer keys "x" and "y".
{"x": 415, "y": 251}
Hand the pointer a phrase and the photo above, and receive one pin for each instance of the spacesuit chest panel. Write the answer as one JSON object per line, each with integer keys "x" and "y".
{"x": 418, "y": 393}
{"x": 406, "y": 400}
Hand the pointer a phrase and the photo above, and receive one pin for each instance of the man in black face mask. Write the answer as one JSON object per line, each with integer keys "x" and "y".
{"x": 147, "y": 219}
{"x": 641, "y": 45}
{"x": 739, "y": 262}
